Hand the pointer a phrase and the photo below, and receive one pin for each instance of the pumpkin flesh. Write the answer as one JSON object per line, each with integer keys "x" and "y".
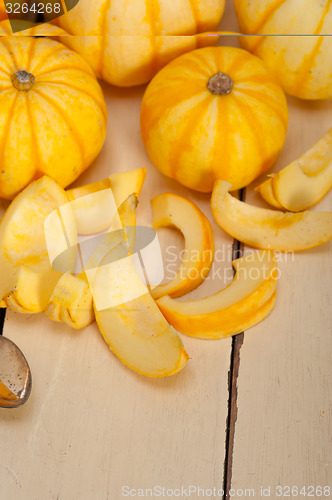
{"x": 203, "y": 118}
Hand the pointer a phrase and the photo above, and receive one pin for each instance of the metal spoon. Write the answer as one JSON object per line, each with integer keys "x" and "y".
{"x": 15, "y": 375}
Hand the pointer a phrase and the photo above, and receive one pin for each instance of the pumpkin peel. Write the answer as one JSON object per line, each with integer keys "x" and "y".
{"x": 269, "y": 229}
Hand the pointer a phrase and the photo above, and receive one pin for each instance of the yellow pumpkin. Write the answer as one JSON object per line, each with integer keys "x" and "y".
{"x": 302, "y": 63}
{"x": 52, "y": 112}
{"x": 128, "y": 42}
{"x": 215, "y": 113}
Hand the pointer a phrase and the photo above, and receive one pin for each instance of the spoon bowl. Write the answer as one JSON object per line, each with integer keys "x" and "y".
{"x": 15, "y": 375}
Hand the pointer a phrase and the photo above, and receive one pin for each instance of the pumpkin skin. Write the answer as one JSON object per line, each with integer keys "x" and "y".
{"x": 54, "y": 123}
{"x": 127, "y": 42}
{"x": 301, "y": 63}
{"x": 197, "y": 137}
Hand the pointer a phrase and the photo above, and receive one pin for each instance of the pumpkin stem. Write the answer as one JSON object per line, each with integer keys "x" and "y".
{"x": 220, "y": 84}
{"x": 22, "y": 80}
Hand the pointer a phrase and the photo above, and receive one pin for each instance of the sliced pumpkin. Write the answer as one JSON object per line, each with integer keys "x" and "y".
{"x": 242, "y": 304}
{"x": 123, "y": 184}
{"x": 132, "y": 324}
{"x": 71, "y": 300}
{"x": 27, "y": 278}
{"x": 269, "y": 229}
{"x": 172, "y": 210}
{"x": 305, "y": 181}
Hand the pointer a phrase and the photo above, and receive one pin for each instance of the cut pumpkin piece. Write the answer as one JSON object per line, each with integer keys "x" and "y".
{"x": 242, "y": 304}
{"x": 269, "y": 229}
{"x": 71, "y": 300}
{"x": 266, "y": 191}
{"x": 132, "y": 324}
{"x": 305, "y": 181}
{"x": 27, "y": 278}
{"x": 122, "y": 184}
{"x": 94, "y": 213}
{"x": 171, "y": 210}
{"x": 39, "y": 290}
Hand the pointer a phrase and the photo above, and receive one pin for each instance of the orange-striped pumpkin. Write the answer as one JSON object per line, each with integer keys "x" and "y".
{"x": 52, "y": 112}
{"x": 127, "y": 42}
{"x": 302, "y": 63}
{"x": 215, "y": 113}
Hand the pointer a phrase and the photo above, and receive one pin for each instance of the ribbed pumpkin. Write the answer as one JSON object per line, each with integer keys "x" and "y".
{"x": 52, "y": 112}
{"x": 127, "y": 42}
{"x": 302, "y": 63}
{"x": 215, "y": 113}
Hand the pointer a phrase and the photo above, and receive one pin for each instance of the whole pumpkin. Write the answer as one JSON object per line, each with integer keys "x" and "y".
{"x": 3, "y": 14}
{"x": 127, "y": 42}
{"x": 52, "y": 112}
{"x": 215, "y": 113}
{"x": 16, "y": 6}
{"x": 301, "y": 63}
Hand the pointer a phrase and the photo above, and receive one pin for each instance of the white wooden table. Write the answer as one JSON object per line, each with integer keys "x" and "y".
{"x": 246, "y": 412}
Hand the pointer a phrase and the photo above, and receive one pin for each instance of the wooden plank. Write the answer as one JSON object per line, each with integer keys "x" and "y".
{"x": 91, "y": 425}
{"x": 284, "y": 422}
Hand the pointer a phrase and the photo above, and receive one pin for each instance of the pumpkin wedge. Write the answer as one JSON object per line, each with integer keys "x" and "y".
{"x": 305, "y": 181}
{"x": 15, "y": 9}
{"x": 266, "y": 191}
{"x": 94, "y": 213}
{"x": 242, "y": 304}
{"x": 203, "y": 117}
{"x": 27, "y": 278}
{"x": 269, "y": 229}
{"x": 132, "y": 324}
{"x": 172, "y": 210}
{"x": 71, "y": 300}
{"x": 122, "y": 184}
{"x": 132, "y": 41}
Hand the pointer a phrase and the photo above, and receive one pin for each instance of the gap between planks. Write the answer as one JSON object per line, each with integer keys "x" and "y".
{"x": 237, "y": 341}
